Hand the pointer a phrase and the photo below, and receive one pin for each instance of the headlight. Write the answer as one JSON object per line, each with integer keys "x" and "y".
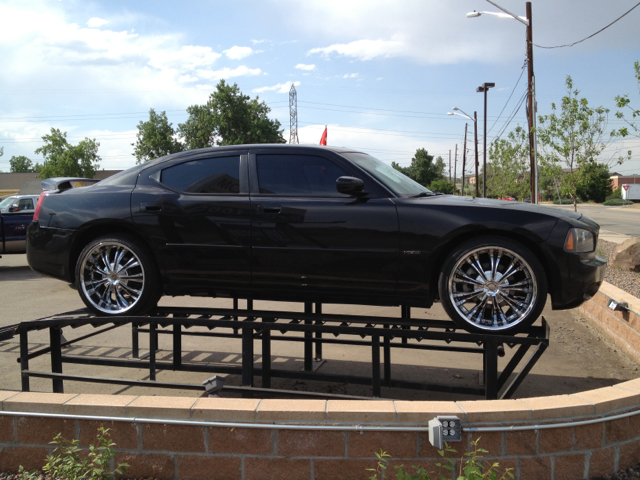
{"x": 579, "y": 241}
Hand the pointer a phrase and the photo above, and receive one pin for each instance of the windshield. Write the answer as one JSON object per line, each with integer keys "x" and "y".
{"x": 391, "y": 178}
{"x": 7, "y": 201}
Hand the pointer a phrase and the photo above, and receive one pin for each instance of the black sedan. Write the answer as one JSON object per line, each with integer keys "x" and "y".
{"x": 309, "y": 223}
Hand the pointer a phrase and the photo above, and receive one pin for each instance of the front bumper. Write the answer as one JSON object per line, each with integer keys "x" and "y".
{"x": 580, "y": 279}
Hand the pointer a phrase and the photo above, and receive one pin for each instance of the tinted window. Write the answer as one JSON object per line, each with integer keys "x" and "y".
{"x": 25, "y": 204}
{"x": 298, "y": 175}
{"x": 209, "y": 175}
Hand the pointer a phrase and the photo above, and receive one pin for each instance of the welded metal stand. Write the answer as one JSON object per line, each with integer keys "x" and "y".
{"x": 268, "y": 326}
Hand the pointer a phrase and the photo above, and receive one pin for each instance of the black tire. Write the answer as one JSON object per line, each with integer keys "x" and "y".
{"x": 116, "y": 275}
{"x": 481, "y": 298}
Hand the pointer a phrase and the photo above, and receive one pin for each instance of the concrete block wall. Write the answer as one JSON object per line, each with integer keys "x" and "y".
{"x": 186, "y": 439}
{"x": 622, "y": 327}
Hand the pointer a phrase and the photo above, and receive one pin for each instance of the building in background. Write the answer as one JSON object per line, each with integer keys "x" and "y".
{"x": 617, "y": 180}
{"x": 29, "y": 183}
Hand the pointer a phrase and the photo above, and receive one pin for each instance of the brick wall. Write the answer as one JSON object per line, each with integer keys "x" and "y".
{"x": 623, "y": 327}
{"x": 202, "y": 448}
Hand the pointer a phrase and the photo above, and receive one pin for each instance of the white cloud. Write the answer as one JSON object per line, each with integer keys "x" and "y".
{"x": 187, "y": 78}
{"x": 95, "y": 22}
{"x": 256, "y": 42}
{"x": 227, "y": 72}
{"x": 350, "y": 75}
{"x": 278, "y": 88}
{"x": 363, "y": 49}
{"x": 302, "y": 66}
{"x": 237, "y": 53}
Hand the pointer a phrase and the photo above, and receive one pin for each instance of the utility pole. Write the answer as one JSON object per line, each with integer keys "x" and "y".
{"x": 293, "y": 115}
{"x": 484, "y": 88}
{"x": 449, "y": 166}
{"x": 532, "y": 109}
{"x": 475, "y": 134}
{"x": 455, "y": 166}
{"x": 464, "y": 158}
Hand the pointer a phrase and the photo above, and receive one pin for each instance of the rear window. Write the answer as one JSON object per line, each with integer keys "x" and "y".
{"x": 208, "y": 175}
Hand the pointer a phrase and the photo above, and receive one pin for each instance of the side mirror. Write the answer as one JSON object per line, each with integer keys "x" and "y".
{"x": 13, "y": 208}
{"x": 350, "y": 186}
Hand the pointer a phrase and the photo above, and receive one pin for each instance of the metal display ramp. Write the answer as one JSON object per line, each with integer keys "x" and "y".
{"x": 312, "y": 329}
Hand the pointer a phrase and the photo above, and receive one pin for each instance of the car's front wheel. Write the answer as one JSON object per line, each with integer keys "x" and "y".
{"x": 116, "y": 275}
{"x": 493, "y": 285}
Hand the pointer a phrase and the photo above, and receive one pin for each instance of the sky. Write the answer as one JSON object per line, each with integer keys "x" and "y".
{"x": 381, "y": 75}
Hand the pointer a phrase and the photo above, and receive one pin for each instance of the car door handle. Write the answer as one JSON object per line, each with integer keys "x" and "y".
{"x": 150, "y": 207}
{"x": 269, "y": 209}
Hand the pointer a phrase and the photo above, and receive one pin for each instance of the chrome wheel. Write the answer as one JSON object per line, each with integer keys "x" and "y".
{"x": 492, "y": 288}
{"x": 112, "y": 277}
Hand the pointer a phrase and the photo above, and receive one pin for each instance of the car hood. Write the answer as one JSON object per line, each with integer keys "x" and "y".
{"x": 499, "y": 204}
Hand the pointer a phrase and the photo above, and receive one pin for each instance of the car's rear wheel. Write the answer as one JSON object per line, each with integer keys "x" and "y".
{"x": 493, "y": 285}
{"x": 116, "y": 275}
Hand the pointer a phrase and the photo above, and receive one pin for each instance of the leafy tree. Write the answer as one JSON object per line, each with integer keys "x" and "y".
{"x": 573, "y": 137}
{"x": 623, "y": 101}
{"x": 229, "y": 118}
{"x": 65, "y": 160}
{"x": 509, "y": 171}
{"x": 442, "y": 185}
{"x": 423, "y": 169}
{"x": 596, "y": 182}
{"x": 155, "y": 138}
{"x": 21, "y": 164}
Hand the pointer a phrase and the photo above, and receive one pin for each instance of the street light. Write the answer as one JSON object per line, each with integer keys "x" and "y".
{"x": 484, "y": 88}
{"x": 474, "y": 119}
{"x": 531, "y": 88}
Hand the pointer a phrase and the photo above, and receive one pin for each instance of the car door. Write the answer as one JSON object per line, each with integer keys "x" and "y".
{"x": 197, "y": 210}
{"x": 310, "y": 239}
{"x": 15, "y": 221}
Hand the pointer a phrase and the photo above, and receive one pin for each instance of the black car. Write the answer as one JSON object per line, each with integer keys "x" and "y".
{"x": 309, "y": 223}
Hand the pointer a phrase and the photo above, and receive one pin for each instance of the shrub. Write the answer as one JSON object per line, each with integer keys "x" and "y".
{"x": 617, "y": 193}
{"x": 565, "y": 201}
{"x": 66, "y": 462}
{"x": 617, "y": 201}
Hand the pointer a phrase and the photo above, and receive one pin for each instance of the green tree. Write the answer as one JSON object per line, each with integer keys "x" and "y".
{"x": 509, "y": 172}
{"x": 21, "y": 164}
{"x": 596, "y": 182}
{"x": 573, "y": 137}
{"x": 423, "y": 169}
{"x": 442, "y": 186}
{"x": 61, "y": 159}
{"x": 155, "y": 138}
{"x": 229, "y": 118}
{"x": 622, "y": 101}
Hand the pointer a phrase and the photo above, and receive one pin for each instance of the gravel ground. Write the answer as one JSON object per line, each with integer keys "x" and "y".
{"x": 625, "y": 280}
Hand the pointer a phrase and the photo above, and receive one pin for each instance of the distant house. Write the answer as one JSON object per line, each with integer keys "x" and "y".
{"x": 29, "y": 183}
{"x": 618, "y": 179}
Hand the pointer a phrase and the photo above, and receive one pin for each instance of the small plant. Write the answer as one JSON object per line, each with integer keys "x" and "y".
{"x": 617, "y": 201}
{"x": 66, "y": 462}
{"x": 470, "y": 469}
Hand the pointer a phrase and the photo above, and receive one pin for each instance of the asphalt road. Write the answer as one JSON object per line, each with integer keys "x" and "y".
{"x": 577, "y": 359}
{"x": 625, "y": 220}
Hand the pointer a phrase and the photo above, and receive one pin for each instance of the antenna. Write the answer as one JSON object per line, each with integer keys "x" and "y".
{"x": 293, "y": 115}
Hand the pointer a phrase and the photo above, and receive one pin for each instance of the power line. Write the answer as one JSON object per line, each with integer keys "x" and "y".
{"x": 512, "y": 91}
{"x": 593, "y": 34}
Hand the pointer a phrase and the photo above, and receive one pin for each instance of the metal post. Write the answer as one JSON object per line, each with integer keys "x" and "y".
{"x": 247, "y": 355}
{"x": 406, "y": 314}
{"x": 24, "y": 359}
{"x": 386, "y": 350}
{"x": 308, "y": 343}
{"x": 375, "y": 362}
{"x": 464, "y": 158}
{"x": 490, "y": 357}
{"x": 455, "y": 170}
{"x": 318, "y": 342}
{"x": 177, "y": 346}
{"x": 153, "y": 347}
{"x": 266, "y": 354}
{"x": 135, "y": 343}
{"x": 449, "y": 166}
{"x": 475, "y": 134}
{"x": 484, "y": 152}
{"x": 56, "y": 358}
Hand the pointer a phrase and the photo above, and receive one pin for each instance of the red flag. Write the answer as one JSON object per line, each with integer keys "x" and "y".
{"x": 323, "y": 139}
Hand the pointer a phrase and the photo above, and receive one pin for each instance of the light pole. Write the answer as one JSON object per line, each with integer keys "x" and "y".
{"x": 484, "y": 88}
{"x": 474, "y": 119}
{"x": 531, "y": 88}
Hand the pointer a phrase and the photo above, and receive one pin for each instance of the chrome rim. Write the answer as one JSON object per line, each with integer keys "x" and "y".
{"x": 492, "y": 288}
{"x": 112, "y": 277}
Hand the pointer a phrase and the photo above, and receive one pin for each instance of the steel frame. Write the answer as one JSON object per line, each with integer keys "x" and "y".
{"x": 251, "y": 325}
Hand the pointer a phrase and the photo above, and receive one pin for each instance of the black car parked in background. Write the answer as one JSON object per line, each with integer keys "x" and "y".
{"x": 309, "y": 223}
